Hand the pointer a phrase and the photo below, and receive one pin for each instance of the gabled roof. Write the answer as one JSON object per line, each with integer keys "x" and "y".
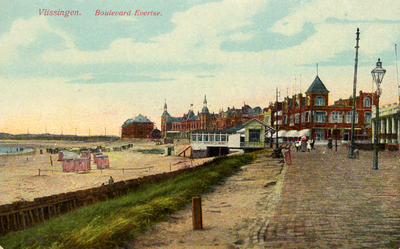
{"x": 165, "y": 113}
{"x": 317, "y": 86}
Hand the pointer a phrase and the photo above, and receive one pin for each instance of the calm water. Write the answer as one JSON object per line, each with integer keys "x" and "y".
{"x": 5, "y": 149}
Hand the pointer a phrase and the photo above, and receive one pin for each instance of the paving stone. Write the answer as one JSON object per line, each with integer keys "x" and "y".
{"x": 331, "y": 201}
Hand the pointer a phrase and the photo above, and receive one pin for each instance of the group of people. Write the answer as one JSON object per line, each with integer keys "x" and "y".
{"x": 304, "y": 145}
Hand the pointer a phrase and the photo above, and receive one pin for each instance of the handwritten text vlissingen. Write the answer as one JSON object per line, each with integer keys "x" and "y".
{"x": 59, "y": 12}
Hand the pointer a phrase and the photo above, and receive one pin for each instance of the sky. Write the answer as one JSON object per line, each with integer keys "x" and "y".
{"x": 87, "y": 74}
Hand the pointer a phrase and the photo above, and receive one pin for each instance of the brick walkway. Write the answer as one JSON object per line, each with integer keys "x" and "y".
{"x": 330, "y": 201}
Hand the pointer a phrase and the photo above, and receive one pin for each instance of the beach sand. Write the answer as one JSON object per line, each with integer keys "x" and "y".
{"x": 20, "y": 178}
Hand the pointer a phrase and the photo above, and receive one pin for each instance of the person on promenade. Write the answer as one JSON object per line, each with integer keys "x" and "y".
{"x": 303, "y": 146}
{"x": 297, "y": 144}
{"x": 111, "y": 180}
{"x": 312, "y": 142}
{"x": 308, "y": 145}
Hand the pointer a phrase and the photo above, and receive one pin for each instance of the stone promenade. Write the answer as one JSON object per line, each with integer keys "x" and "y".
{"x": 330, "y": 201}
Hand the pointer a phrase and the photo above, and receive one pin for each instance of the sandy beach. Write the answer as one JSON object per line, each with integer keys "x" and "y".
{"x": 20, "y": 178}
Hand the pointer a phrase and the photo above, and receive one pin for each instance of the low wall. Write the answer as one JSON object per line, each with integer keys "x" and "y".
{"x": 369, "y": 146}
{"x": 24, "y": 214}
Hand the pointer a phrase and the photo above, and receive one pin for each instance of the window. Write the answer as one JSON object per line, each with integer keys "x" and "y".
{"x": 212, "y": 138}
{"x": 205, "y": 137}
{"x": 307, "y": 117}
{"x": 368, "y": 117}
{"x": 297, "y": 118}
{"x": 308, "y": 101}
{"x": 336, "y": 117}
{"x": 285, "y": 120}
{"x": 320, "y": 117}
{"x": 319, "y": 101}
{"x": 199, "y": 138}
{"x": 217, "y": 138}
{"x": 348, "y": 117}
{"x": 223, "y": 137}
{"x": 319, "y": 134}
{"x": 194, "y": 136}
{"x": 291, "y": 119}
{"x": 254, "y": 135}
{"x": 367, "y": 102}
{"x": 266, "y": 120}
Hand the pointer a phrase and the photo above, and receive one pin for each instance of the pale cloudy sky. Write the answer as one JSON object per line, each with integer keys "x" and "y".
{"x": 94, "y": 72}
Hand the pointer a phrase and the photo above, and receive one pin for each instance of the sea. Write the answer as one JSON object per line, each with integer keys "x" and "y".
{"x": 7, "y": 149}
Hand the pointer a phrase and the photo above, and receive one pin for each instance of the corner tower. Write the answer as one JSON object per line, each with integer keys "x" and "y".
{"x": 204, "y": 116}
{"x": 164, "y": 120}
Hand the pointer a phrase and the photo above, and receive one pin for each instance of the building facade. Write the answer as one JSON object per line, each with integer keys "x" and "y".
{"x": 181, "y": 126}
{"x": 388, "y": 120}
{"x": 140, "y": 127}
{"x": 312, "y": 112}
{"x": 247, "y": 136}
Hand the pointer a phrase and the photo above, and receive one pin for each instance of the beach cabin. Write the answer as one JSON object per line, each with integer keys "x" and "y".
{"x": 82, "y": 164}
{"x": 63, "y": 154}
{"x": 169, "y": 150}
{"x": 68, "y": 164}
{"x": 95, "y": 156}
{"x": 87, "y": 154}
{"x": 103, "y": 162}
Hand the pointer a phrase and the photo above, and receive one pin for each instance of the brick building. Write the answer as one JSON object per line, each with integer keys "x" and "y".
{"x": 181, "y": 126}
{"x": 140, "y": 127}
{"x": 311, "y": 111}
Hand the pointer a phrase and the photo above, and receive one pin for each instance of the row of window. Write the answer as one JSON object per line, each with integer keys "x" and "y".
{"x": 320, "y": 117}
{"x": 254, "y": 136}
{"x": 320, "y": 101}
{"x": 209, "y": 137}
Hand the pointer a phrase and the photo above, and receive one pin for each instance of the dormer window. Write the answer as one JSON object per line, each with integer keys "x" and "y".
{"x": 367, "y": 102}
{"x": 319, "y": 101}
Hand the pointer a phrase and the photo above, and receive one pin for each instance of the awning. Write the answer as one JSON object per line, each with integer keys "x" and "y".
{"x": 282, "y": 133}
{"x": 304, "y": 133}
{"x": 292, "y": 133}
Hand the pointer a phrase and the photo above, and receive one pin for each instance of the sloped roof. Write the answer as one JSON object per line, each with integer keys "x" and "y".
{"x": 173, "y": 119}
{"x": 141, "y": 119}
{"x": 317, "y": 86}
{"x": 165, "y": 113}
{"x": 138, "y": 119}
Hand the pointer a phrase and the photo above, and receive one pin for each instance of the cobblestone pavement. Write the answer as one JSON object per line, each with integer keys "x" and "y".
{"x": 330, "y": 201}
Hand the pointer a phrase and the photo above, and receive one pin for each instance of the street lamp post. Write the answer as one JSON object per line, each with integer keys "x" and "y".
{"x": 335, "y": 135}
{"x": 353, "y": 116}
{"x": 277, "y": 118}
{"x": 377, "y": 76}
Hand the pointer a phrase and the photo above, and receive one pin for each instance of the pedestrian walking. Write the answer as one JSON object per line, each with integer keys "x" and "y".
{"x": 312, "y": 144}
{"x": 297, "y": 144}
{"x": 303, "y": 146}
{"x": 111, "y": 180}
{"x": 308, "y": 146}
